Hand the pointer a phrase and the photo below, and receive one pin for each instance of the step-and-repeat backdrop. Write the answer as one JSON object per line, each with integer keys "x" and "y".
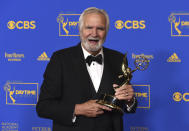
{"x": 30, "y": 31}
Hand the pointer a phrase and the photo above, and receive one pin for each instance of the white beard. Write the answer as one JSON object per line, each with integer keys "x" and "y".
{"x": 92, "y": 48}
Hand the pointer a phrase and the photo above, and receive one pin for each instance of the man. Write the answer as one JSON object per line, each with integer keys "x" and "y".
{"x": 74, "y": 79}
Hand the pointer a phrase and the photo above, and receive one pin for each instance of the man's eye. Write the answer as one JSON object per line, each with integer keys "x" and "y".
{"x": 101, "y": 28}
{"x": 88, "y": 27}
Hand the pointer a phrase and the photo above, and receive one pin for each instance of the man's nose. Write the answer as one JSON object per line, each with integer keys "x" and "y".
{"x": 94, "y": 32}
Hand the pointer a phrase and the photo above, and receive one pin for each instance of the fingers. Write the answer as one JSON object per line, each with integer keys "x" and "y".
{"x": 92, "y": 101}
{"x": 125, "y": 92}
{"x": 102, "y": 107}
{"x": 99, "y": 109}
{"x": 92, "y": 109}
{"x": 124, "y": 87}
{"x": 95, "y": 113}
{"x": 127, "y": 97}
{"x": 99, "y": 106}
{"x": 115, "y": 85}
{"x": 99, "y": 112}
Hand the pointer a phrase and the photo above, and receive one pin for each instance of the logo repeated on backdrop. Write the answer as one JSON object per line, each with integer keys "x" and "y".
{"x": 149, "y": 57}
{"x": 177, "y": 96}
{"x": 68, "y": 24}
{"x": 21, "y": 25}
{"x": 179, "y": 24}
{"x": 43, "y": 57}
{"x": 173, "y": 58}
{"x": 130, "y": 24}
{"x": 142, "y": 93}
{"x": 139, "y": 129}
{"x": 21, "y": 93}
{"x": 14, "y": 56}
{"x": 41, "y": 129}
{"x": 7, "y": 126}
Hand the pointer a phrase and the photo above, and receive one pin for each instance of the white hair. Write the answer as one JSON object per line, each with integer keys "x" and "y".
{"x": 94, "y": 10}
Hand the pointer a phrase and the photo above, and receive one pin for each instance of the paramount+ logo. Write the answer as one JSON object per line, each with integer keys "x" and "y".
{"x": 130, "y": 24}
{"x": 21, "y": 25}
{"x": 177, "y": 96}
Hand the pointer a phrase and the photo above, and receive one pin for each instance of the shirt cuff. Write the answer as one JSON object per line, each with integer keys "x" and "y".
{"x": 129, "y": 108}
{"x": 74, "y": 118}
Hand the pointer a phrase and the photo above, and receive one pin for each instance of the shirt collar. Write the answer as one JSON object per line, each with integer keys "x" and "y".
{"x": 86, "y": 53}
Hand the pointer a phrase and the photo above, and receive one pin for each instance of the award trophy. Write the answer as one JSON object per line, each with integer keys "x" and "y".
{"x": 141, "y": 63}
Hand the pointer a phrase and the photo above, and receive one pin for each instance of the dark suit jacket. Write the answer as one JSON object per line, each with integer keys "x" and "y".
{"x": 67, "y": 82}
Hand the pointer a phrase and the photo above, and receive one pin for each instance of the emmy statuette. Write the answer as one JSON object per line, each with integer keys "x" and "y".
{"x": 141, "y": 63}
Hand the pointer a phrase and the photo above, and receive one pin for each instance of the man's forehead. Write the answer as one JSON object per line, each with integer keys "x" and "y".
{"x": 86, "y": 18}
{"x": 94, "y": 13}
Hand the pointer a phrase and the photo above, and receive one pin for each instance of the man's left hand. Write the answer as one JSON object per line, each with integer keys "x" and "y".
{"x": 125, "y": 92}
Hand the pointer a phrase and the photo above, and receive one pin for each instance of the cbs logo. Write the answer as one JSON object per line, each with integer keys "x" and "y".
{"x": 177, "y": 96}
{"x": 134, "y": 24}
{"x": 21, "y": 25}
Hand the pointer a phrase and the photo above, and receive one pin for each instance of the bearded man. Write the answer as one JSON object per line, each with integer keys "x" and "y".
{"x": 75, "y": 77}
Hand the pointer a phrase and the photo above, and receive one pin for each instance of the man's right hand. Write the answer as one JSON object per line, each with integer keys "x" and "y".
{"x": 90, "y": 109}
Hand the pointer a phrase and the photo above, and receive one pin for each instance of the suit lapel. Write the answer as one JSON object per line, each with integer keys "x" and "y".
{"x": 82, "y": 73}
{"x": 84, "y": 77}
{"x": 106, "y": 81}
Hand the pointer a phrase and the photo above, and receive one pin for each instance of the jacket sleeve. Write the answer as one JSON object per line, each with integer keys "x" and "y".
{"x": 50, "y": 104}
{"x": 132, "y": 107}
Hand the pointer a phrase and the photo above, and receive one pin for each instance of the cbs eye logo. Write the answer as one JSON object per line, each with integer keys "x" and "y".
{"x": 21, "y": 25}
{"x": 177, "y": 96}
{"x": 134, "y": 24}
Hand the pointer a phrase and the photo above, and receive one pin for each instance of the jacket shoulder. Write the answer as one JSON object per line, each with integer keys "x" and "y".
{"x": 65, "y": 51}
{"x": 113, "y": 53}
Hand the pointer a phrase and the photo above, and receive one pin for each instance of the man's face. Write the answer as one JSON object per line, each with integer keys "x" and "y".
{"x": 93, "y": 32}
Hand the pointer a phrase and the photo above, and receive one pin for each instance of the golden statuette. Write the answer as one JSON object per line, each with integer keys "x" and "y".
{"x": 141, "y": 63}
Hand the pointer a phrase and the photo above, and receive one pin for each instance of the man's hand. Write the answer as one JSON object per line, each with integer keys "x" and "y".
{"x": 90, "y": 109}
{"x": 125, "y": 92}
